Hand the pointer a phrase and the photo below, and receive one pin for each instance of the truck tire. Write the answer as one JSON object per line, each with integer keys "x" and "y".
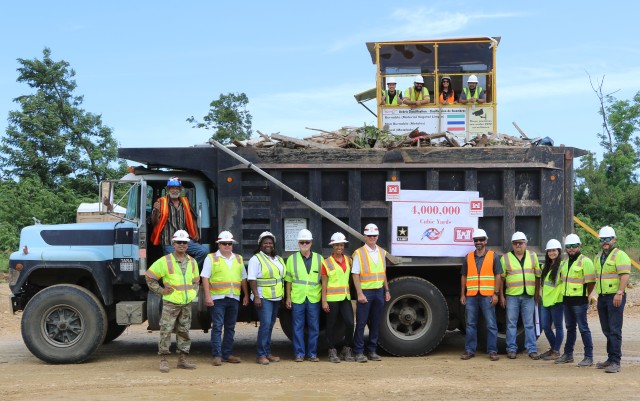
{"x": 114, "y": 330}
{"x": 416, "y": 318}
{"x": 64, "y": 324}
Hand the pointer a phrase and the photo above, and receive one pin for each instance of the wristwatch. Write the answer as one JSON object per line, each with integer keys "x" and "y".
{"x": 496, "y": 292}
{"x": 620, "y": 292}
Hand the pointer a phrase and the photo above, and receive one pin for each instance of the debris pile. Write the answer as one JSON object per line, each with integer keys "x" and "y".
{"x": 369, "y": 137}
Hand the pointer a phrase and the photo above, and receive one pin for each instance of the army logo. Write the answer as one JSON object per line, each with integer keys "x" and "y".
{"x": 402, "y": 233}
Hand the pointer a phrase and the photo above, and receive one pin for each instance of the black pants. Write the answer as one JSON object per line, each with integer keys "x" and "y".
{"x": 344, "y": 309}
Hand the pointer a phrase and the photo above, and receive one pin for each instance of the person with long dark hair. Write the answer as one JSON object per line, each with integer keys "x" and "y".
{"x": 552, "y": 308}
{"x": 447, "y": 93}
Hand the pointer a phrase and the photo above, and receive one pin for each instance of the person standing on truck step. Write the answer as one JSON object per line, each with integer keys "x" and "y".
{"x": 552, "y": 312}
{"x": 369, "y": 272}
{"x": 578, "y": 281}
{"x": 303, "y": 289}
{"x": 416, "y": 95}
{"x": 391, "y": 96}
{"x": 472, "y": 93}
{"x": 480, "y": 286}
{"x": 265, "y": 273}
{"x": 224, "y": 276}
{"x": 336, "y": 298}
{"x": 171, "y": 213}
{"x": 612, "y": 268}
{"x": 521, "y": 284}
{"x": 179, "y": 274}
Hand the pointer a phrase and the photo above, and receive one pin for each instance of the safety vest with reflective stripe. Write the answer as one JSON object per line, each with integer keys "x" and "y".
{"x": 520, "y": 278}
{"x": 304, "y": 285}
{"x": 168, "y": 269}
{"x": 337, "y": 279}
{"x": 450, "y": 98}
{"x": 156, "y": 235}
{"x": 476, "y": 93}
{"x": 413, "y": 95}
{"x": 480, "y": 280}
{"x": 372, "y": 274}
{"x": 608, "y": 276}
{"x": 552, "y": 290}
{"x": 271, "y": 280}
{"x": 575, "y": 277}
{"x": 225, "y": 280}
{"x": 397, "y": 98}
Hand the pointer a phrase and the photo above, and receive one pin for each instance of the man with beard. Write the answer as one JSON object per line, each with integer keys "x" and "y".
{"x": 171, "y": 213}
{"x": 417, "y": 95}
{"x": 480, "y": 289}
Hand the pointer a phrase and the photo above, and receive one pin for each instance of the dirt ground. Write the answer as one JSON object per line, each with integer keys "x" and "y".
{"x": 128, "y": 369}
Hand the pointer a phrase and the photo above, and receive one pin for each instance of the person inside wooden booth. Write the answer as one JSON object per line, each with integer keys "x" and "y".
{"x": 472, "y": 93}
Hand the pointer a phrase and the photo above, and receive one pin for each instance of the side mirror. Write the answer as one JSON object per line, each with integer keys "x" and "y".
{"x": 106, "y": 197}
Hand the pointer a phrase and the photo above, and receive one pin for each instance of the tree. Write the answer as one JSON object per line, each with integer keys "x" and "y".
{"x": 51, "y": 137}
{"x": 228, "y": 118}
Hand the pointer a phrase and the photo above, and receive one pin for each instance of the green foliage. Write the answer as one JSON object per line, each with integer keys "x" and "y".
{"x": 370, "y": 136}
{"x": 51, "y": 137}
{"x": 228, "y": 118}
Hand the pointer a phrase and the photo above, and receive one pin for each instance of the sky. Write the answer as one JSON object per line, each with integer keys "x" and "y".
{"x": 146, "y": 67}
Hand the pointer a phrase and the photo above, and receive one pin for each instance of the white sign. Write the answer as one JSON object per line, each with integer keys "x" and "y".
{"x": 291, "y": 229}
{"x": 433, "y": 223}
{"x": 392, "y": 190}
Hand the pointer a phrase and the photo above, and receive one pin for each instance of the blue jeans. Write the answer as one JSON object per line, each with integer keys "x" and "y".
{"x": 577, "y": 314}
{"x": 196, "y": 250}
{"x": 473, "y": 306}
{"x": 267, "y": 314}
{"x": 520, "y": 305}
{"x": 224, "y": 313}
{"x": 305, "y": 313}
{"x": 553, "y": 315}
{"x": 369, "y": 314}
{"x": 611, "y": 323}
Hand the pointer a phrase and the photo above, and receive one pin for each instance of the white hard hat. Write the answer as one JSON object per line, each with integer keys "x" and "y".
{"x": 338, "y": 238}
{"x": 572, "y": 239}
{"x": 180, "y": 235}
{"x": 606, "y": 231}
{"x": 267, "y": 234}
{"x": 472, "y": 78}
{"x": 391, "y": 80}
{"x": 445, "y": 77}
{"x": 479, "y": 233}
{"x": 371, "y": 229}
{"x": 226, "y": 236}
{"x": 553, "y": 244}
{"x": 305, "y": 235}
{"x": 518, "y": 236}
{"x": 419, "y": 79}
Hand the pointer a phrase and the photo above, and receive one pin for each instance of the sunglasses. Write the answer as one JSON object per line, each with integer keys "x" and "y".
{"x": 479, "y": 239}
{"x": 180, "y": 242}
{"x": 517, "y": 243}
{"x": 572, "y": 246}
{"x": 225, "y": 243}
{"x": 372, "y": 236}
{"x": 606, "y": 239}
{"x": 304, "y": 242}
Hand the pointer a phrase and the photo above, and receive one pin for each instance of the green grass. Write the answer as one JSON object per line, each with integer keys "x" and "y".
{"x": 4, "y": 262}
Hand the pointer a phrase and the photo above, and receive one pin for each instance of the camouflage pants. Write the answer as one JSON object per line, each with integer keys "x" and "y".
{"x": 174, "y": 318}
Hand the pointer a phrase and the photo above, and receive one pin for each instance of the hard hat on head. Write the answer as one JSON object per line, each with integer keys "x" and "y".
{"x": 606, "y": 231}
{"x": 391, "y": 80}
{"x": 418, "y": 79}
{"x": 180, "y": 235}
{"x": 338, "y": 238}
{"x": 305, "y": 235}
{"x": 472, "y": 79}
{"x": 553, "y": 244}
{"x": 518, "y": 236}
{"x": 174, "y": 182}
{"x": 226, "y": 236}
{"x": 572, "y": 239}
{"x": 371, "y": 229}
{"x": 445, "y": 77}
{"x": 479, "y": 233}
{"x": 266, "y": 234}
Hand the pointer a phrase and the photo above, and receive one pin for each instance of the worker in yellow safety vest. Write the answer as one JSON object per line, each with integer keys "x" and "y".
{"x": 179, "y": 274}
{"x": 224, "y": 280}
{"x": 472, "y": 93}
{"x": 416, "y": 95}
{"x": 552, "y": 312}
{"x": 391, "y": 97}
{"x": 520, "y": 293}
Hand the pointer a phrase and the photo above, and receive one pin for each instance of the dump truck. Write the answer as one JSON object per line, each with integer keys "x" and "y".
{"x": 82, "y": 285}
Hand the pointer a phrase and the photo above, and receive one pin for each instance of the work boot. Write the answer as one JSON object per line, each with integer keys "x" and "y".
{"x": 512, "y": 355}
{"x": 586, "y": 362}
{"x": 347, "y": 354}
{"x": 493, "y": 356}
{"x": 534, "y": 355}
{"x": 374, "y": 357}
{"x": 217, "y": 361}
{"x": 361, "y": 358}
{"x": 333, "y": 356}
{"x": 467, "y": 355}
{"x": 564, "y": 358}
{"x": 273, "y": 358}
{"x": 602, "y": 365}
{"x": 613, "y": 368}
{"x": 183, "y": 363}
{"x": 546, "y": 353}
{"x": 551, "y": 356}
{"x": 232, "y": 359}
{"x": 164, "y": 364}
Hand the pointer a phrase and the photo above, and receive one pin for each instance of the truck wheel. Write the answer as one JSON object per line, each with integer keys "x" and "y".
{"x": 114, "y": 330}
{"x": 63, "y": 324}
{"x": 416, "y": 318}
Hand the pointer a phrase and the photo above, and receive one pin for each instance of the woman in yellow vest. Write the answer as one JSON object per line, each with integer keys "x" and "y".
{"x": 336, "y": 297}
{"x": 552, "y": 308}
{"x": 264, "y": 274}
{"x": 224, "y": 276}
